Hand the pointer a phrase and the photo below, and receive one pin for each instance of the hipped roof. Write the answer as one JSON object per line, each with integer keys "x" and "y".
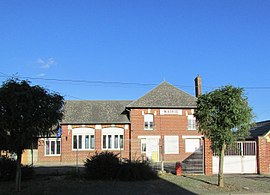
{"x": 95, "y": 112}
{"x": 165, "y": 95}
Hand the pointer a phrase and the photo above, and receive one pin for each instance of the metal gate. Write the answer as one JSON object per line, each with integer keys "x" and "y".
{"x": 240, "y": 158}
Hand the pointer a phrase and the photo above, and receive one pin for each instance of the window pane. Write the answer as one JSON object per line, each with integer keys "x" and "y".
{"x": 86, "y": 142}
{"x": 58, "y": 147}
{"x": 121, "y": 141}
{"x": 47, "y": 147}
{"x": 52, "y": 147}
{"x": 80, "y": 142}
{"x": 151, "y": 125}
{"x": 104, "y": 141}
{"x": 92, "y": 142}
{"x": 143, "y": 147}
{"x": 75, "y": 142}
{"x": 116, "y": 141}
{"x": 109, "y": 141}
{"x": 146, "y": 125}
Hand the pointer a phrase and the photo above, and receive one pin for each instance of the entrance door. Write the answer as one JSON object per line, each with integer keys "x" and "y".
{"x": 152, "y": 149}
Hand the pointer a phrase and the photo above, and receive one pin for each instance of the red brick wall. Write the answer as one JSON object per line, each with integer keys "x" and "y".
{"x": 68, "y": 156}
{"x": 263, "y": 153}
{"x": 163, "y": 125}
{"x": 208, "y": 157}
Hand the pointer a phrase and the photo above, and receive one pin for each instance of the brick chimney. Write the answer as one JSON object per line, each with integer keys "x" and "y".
{"x": 198, "y": 86}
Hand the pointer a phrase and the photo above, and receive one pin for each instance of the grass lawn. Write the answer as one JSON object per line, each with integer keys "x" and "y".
{"x": 234, "y": 184}
{"x": 167, "y": 184}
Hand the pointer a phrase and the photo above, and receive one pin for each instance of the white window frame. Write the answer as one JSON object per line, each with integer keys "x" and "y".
{"x": 191, "y": 122}
{"x": 171, "y": 144}
{"x": 50, "y": 140}
{"x": 148, "y": 122}
{"x": 83, "y": 133}
{"x": 110, "y": 134}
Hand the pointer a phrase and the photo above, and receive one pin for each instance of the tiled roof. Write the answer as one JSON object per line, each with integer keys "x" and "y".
{"x": 165, "y": 95}
{"x": 95, "y": 112}
{"x": 260, "y": 129}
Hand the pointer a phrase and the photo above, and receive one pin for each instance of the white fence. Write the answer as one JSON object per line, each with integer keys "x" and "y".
{"x": 241, "y": 158}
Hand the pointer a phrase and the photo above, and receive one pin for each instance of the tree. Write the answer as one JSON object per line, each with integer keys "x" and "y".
{"x": 26, "y": 112}
{"x": 223, "y": 116}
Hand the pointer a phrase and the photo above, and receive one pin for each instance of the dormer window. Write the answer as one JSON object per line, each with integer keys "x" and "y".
{"x": 148, "y": 122}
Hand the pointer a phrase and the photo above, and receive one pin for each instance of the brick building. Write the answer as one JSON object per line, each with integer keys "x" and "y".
{"x": 159, "y": 126}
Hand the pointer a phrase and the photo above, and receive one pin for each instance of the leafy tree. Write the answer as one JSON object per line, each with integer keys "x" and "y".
{"x": 223, "y": 116}
{"x": 26, "y": 112}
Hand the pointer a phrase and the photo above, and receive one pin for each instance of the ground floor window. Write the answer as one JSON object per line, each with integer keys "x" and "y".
{"x": 191, "y": 145}
{"x": 113, "y": 138}
{"x": 52, "y": 147}
{"x": 83, "y": 139}
{"x": 171, "y": 144}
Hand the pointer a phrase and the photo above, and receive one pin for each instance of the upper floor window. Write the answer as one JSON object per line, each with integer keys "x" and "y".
{"x": 52, "y": 147}
{"x": 113, "y": 138}
{"x": 83, "y": 139}
{"x": 191, "y": 122}
{"x": 148, "y": 121}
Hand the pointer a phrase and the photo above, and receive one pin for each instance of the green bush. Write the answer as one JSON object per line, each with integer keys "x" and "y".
{"x": 106, "y": 166}
{"x": 103, "y": 166}
{"x": 136, "y": 171}
{"x": 8, "y": 170}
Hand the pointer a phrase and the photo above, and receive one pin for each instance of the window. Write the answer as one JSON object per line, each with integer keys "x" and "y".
{"x": 143, "y": 145}
{"x": 113, "y": 138}
{"x": 191, "y": 122}
{"x": 171, "y": 144}
{"x": 83, "y": 139}
{"x": 148, "y": 122}
{"x": 192, "y": 145}
{"x": 52, "y": 147}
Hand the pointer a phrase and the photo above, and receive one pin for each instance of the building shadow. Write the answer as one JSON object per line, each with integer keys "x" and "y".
{"x": 54, "y": 180}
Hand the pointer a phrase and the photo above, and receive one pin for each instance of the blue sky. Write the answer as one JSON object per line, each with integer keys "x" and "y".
{"x": 142, "y": 42}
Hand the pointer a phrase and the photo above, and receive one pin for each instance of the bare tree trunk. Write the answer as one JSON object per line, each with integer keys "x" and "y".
{"x": 221, "y": 163}
{"x": 18, "y": 172}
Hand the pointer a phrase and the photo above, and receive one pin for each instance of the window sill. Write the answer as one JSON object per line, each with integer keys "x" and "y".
{"x": 83, "y": 149}
{"x": 51, "y": 155}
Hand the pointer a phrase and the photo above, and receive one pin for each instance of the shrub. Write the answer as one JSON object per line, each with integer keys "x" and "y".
{"x": 8, "y": 170}
{"x": 103, "y": 166}
{"x": 136, "y": 171}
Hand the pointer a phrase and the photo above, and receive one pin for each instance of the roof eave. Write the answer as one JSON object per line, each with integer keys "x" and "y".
{"x": 92, "y": 123}
{"x": 163, "y": 107}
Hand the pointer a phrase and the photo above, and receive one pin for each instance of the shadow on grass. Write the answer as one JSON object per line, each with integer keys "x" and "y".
{"x": 62, "y": 180}
{"x": 258, "y": 177}
{"x": 201, "y": 180}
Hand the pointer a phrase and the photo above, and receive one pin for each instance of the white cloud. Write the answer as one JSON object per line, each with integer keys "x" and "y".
{"x": 41, "y": 75}
{"x": 46, "y": 63}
